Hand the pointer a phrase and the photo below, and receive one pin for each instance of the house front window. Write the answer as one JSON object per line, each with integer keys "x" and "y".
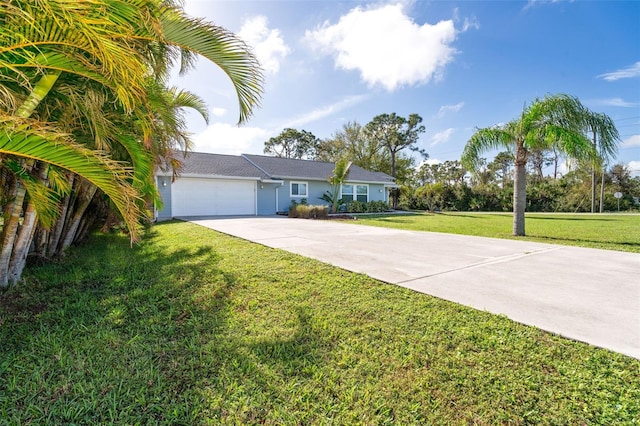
{"x": 352, "y": 192}
{"x": 299, "y": 189}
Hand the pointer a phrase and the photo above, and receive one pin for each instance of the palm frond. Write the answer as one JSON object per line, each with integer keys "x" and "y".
{"x": 223, "y": 48}
{"x": 602, "y": 127}
{"x": 45, "y": 200}
{"x": 31, "y": 141}
{"x": 574, "y": 144}
{"x": 484, "y": 140}
{"x": 95, "y": 37}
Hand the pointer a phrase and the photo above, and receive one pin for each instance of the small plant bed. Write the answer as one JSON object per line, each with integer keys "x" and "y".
{"x": 344, "y": 211}
{"x": 194, "y": 327}
{"x": 306, "y": 211}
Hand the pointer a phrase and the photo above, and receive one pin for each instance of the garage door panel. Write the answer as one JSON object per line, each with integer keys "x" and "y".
{"x": 212, "y": 197}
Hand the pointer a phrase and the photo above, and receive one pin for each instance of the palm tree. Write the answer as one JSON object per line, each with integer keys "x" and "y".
{"x": 337, "y": 178}
{"x": 554, "y": 120}
{"x": 604, "y": 136}
{"x": 53, "y": 49}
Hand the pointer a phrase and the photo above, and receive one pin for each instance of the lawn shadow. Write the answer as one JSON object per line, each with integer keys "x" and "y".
{"x": 138, "y": 313}
{"x": 299, "y": 349}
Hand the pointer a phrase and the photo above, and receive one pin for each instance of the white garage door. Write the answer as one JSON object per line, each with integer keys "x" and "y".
{"x": 212, "y": 197}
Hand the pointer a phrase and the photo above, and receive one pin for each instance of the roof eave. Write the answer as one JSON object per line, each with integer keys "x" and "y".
{"x": 212, "y": 176}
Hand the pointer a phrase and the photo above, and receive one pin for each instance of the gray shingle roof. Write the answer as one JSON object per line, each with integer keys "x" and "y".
{"x": 200, "y": 163}
{"x": 264, "y": 167}
{"x": 282, "y": 168}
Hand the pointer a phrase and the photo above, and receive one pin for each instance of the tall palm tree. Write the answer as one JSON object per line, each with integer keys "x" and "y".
{"x": 117, "y": 45}
{"x": 604, "y": 136}
{"x": 554, "y": 120}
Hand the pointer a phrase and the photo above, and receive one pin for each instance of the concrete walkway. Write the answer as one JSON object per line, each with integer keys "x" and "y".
{"x": 583, "y": 294}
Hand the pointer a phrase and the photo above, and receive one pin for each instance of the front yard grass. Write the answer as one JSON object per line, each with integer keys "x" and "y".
{"x": 605, "y": 231}
{"x": 193, "y": 327}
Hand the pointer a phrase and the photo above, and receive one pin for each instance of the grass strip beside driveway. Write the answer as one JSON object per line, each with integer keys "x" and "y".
{"x": 619, "y": 232}
{"x": 195, "y": 327}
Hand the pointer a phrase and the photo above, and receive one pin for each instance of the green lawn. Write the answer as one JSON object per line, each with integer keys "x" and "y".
{"x": 193, "y": 327}
{"x": 606, "y": 231}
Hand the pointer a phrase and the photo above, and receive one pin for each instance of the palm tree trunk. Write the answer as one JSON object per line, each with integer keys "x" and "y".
{"x": 55, "y": 235}
{"x": 602, "y": 193}
{"x": 41, "y": 241}
{"x": 27, "y": 231}
{"x": 85, "y": 225}
{"x": 10, "y": 231}
{"x": 15, "y": 208}
{"x": 22, "y": 244}
{"x": 72, "y": 229}
{"x": 594, "y": 181}
{"x": 594, "y": 184}
{"x": 519, "y": 190}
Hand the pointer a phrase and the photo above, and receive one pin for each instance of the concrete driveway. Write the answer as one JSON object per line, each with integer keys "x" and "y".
{"x": 584, "y": 294}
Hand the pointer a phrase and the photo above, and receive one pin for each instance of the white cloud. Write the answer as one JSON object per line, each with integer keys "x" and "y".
{"x": 564, "y": 167}
{"x": 223, "y": 138}
{"x": 325, "y": 111}
{"x": 629, "y": 72}
{"x": 449, "y": 108}
{"x": 470, "y": 23}
{"x": 386, "y": 46}
{"x": 615, "y": 102}
{"x": 631, "y": 141}
{"x": 218, "y": 112}
{"x": 634, "y": 168}
{"x": 429, "y": 161}
{"x": 467, "y": 23}
{"x": 442, "y": 136}
{"x": 268, "y": 44}
{"x": 532, "y": 3}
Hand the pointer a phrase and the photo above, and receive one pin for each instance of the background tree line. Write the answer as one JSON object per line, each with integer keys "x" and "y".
{"x": 550, "y": 134}
{"x": 449, "y": 186}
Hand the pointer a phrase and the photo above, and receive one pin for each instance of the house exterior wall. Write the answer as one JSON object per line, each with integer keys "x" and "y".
{"x": 315, "y": 189}
{"x": 164, "y": 188}
{"x": 267, "y": 198}
{"x": 377, "y": 192}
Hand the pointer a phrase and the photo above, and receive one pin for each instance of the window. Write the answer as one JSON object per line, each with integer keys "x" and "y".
{"x": 298, "y": 189}
{"x": 352, "y": 192}
{"x": 347, "y": 193}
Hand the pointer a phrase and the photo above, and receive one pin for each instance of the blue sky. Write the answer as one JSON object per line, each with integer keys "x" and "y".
{"x": 458, "y": 64}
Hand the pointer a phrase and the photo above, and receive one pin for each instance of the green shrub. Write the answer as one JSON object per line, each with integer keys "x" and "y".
{"x": 377, "y": 206}
{"x": 368, "y": 207}
{"x": 355, "y": 207}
